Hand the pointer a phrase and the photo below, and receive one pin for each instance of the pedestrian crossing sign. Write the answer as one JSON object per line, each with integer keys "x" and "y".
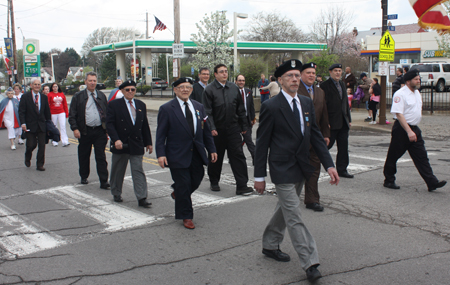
{"x": 387, "y": 47}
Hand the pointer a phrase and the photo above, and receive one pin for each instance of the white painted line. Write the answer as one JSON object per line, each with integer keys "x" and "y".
{"x": 114, "y": 216}
{"x": 19, "y": 236}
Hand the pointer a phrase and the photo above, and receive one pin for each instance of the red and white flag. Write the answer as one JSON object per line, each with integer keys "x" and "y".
{"x": 431, "y": 15}
{"x": 6, "y": 62}
{"x": 159, "y": 25}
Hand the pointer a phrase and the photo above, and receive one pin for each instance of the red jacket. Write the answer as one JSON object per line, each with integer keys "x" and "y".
{"x": 57, "y": 103}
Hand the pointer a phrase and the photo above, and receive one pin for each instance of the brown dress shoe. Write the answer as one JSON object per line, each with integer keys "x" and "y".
{"x": 188, "y": 224}
{"x": 40, "y": 168}
{"x": 172, "y": 195}
{"x": 27, "y": 163}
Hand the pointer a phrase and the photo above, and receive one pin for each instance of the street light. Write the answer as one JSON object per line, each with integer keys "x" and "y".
{"x": 53, "y": 67}
{"x": 21, "y": 32}
{"x": 134, "y": 54}
{"x": 235, "y": 16}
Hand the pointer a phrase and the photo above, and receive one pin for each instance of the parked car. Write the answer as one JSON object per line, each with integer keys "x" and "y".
{"x": 437, "y": 73}
{"x": 159, "y": 83}
{"x": 101, "y": 86}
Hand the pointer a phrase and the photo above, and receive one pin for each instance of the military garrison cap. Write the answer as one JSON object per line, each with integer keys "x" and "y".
{"x": 182, "y": 80}
{"x": 411, "y": 74}
{"x": 127, "y": 83}
{"x": 336, "y": 65}
{"x": 308, "y": 65}
{"x": 292, "y": 64}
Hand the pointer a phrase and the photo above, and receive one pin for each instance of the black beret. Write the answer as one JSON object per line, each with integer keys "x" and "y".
{"x": 292, "y": 64}
{"x": 308, "y": 65}
{"x": 411, "y": 74}
{"x": 336, "y": 65}
{"x": 127, "y": 83}
{"x": 182, "y": 80}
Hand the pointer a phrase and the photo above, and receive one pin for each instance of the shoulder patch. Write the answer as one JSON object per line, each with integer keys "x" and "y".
{"x": 397, "y": 99}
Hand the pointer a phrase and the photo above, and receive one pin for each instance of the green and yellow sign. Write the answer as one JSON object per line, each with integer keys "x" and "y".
{"x": 387, "y": 47}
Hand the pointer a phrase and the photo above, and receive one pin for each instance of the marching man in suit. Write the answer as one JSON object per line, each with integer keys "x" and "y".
{"x": 33, "y": 112}
{"x": 129, "y": 131}
{"x": 247, "y": 98}
{"x": 288, "y": 127}
{"x": 307, "y": 88}
{"x": 181, "y": 138}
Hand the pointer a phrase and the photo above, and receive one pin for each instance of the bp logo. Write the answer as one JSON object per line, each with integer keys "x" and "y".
{"x": 30, "y": 48}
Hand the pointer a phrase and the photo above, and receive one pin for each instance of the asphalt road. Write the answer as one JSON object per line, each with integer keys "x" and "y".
{"x": 54, "y": 230}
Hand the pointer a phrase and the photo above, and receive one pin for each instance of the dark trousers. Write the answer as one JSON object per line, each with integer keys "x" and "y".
{"x": 186, "y": 181}
{"x": 311, "y": 185}
{"x": 247, "y": 137}
{"x": 95, "y": 137}
{"x": 33, "y": 140}
{"x": 399, "y": 145}
{"x": 340, "y": 136}
{"x": 229, "y": 139}
{"x": 373, "y": 107}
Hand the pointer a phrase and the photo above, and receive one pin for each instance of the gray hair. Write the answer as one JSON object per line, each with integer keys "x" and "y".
{"x": 36, "y": 78}
{"x": 90, "y": 73}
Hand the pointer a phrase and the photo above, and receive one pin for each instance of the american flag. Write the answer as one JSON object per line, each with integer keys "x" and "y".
{"x": 431, "y": 15}
{"x": 159, "y": 25}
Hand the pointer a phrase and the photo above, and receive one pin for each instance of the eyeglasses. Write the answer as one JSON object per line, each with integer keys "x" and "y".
{"x": 183, "y": 88}
{"x": 222, "y": 71}
{"x": 292, "y": 75}
{"x": 130, "y": 89}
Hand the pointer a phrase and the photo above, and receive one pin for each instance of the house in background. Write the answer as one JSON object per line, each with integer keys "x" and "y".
{"x": 46, "y": 75}
{"x": 76, "y": 72}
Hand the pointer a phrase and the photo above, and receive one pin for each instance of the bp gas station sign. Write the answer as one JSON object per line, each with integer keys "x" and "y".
{"x": 31, "y": 58}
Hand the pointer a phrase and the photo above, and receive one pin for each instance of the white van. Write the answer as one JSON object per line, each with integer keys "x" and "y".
{"x": 436, "y": 72}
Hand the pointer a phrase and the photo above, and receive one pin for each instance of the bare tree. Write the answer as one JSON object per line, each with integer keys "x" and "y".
{"x": 331, "y": 24}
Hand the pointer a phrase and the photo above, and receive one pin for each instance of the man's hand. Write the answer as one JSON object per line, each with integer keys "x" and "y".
{"x": 260, "y": 186}
{"x": 349, "y": 124}
{"x": 327, "y": 141}
{"x": 214, "y": 133}
{"x": 348, "y": 83}
{"x": 243, "y": 132}
{"x": 24, "y": 127}
{"x": 162, "y": 161}
{"x": 149, "y": 148}
{"x": 118, "y": 144}
{"x": 412, "y": 136}
{"x": 77, "y": 134}
{"x": 213, "y": 157}
{"x": 334, "y": 176}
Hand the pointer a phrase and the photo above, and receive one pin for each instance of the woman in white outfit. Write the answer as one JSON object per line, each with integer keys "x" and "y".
{"x": 9, "y": 116}
{"x": 58, "y": 109}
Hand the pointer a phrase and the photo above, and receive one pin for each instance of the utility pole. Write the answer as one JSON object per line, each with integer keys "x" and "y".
{"x": 8, "y": 18}
{"x": 382, "y": 117}
{"x": 176, "y": 15}
{"x": 13, "y": 34}
{"x": 146, "y": 25}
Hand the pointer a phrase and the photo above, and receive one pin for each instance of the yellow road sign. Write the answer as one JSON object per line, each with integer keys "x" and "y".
{"x": 387, "y": 47}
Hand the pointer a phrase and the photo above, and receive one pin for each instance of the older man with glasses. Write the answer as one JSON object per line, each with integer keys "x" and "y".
{"x": 128, "y": 128}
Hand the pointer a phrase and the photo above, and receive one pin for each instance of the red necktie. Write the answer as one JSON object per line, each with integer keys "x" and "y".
{"x": 36, "y": 102}
{"x": 243, "y": 95}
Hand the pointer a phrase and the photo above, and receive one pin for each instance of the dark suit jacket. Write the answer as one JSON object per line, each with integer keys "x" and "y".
{"x": 289, "y": 149}
{"x": 250, "y": 105}
{"x": 28, "y": 114}
{"x": 174, "y": 139}
{"x": 120, "y": 127}
{"x": 197, "y": 92}
{"x": 338, "y": 109}
{"x": 77, "y": 111}
{"x": 320, "y": 108}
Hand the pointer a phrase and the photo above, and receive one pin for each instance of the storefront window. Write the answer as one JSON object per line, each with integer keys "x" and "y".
{"x": 375, "y": 63}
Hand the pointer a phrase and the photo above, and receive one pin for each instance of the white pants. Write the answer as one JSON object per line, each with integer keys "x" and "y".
{"x": 61, "y": 118}
{"x": 12, "y": 132}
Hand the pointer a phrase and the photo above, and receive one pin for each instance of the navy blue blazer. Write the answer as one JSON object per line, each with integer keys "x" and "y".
{"x": 120, "y": 127}
{"x": 174, "y": 139}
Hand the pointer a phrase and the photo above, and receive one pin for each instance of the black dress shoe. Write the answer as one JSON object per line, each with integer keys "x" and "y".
{"x": 172, "y": 195}
{"x": 105, "y": 186}
{"x": 345, "y": 174}
{"x": 215, "y": 187}
{"x": 437, "y": 185}
{"x": 143, "y": 203}
{"x": 40, "y": 168}
{"x": 118, "y": 198}
{"x": 27, "y": 163}
{"x": 276, "y": 254}
{"x": 244, "y": 191}
{"x": 84, "y": 181}
{"x": 312, "y": 273}
{"x": 315, "y": 206}
{"x": 391, "y": 185}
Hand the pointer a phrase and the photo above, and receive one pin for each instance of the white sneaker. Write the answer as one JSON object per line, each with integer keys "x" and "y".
{"x": 13, "y": 147}
{"x": 55, "y": 144}
{"x": 21, "y": 141}
{"x": 372, "y": 123}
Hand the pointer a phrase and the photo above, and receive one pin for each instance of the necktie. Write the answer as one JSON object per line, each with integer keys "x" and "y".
{"x": 296, "y": 112}
{"x": 133, "y": 110}
{"x": 36, "y": 102}
{"x": 243, "y": 95}
{"x": 338, "y": 86}
{"x": 311, "y": 94}
{"x": 189, "y": 119}
{"x": 100, "y": 110}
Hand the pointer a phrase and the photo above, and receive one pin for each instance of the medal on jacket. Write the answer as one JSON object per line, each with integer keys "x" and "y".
{"x": 198, "y": 114}
{"x": 307, "y": 120}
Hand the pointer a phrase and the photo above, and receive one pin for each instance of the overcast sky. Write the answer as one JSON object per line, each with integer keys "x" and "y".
{"x": 67, "y": 23}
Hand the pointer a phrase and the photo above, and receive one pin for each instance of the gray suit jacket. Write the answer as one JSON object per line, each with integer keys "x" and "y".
{"x": 289, "y": 148}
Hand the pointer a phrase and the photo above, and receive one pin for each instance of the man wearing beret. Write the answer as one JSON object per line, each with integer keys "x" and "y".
{"x": 307, "y": 88}
{"x": 226, "y": 117}
{"x": 338, "y": 116}
{"x": 181, "y": 138}
{"x": 129, "y": 131}
{"x": 406, "y": 135}
{"x": 287, "y": 129}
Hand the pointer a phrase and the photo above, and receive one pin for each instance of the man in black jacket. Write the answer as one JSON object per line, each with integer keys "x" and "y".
{"x": 247, "y": 98}
{"x": 338, "y": 116}
{"x": 227, "y": 120}
{"x": 33, "y": 112}
{"x": 197, "y": 92}
{"x": 87, "y": 116}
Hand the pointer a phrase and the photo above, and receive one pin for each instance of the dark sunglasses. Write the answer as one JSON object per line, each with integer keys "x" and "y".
{"x": 130, "y": 89}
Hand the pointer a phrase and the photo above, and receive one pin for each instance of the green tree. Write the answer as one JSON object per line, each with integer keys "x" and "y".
{"x": 251, "y": 68}
{"x": 323, "y": 60}
{"x": 108, "y": 68}
{"x": 74, "y": 56}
